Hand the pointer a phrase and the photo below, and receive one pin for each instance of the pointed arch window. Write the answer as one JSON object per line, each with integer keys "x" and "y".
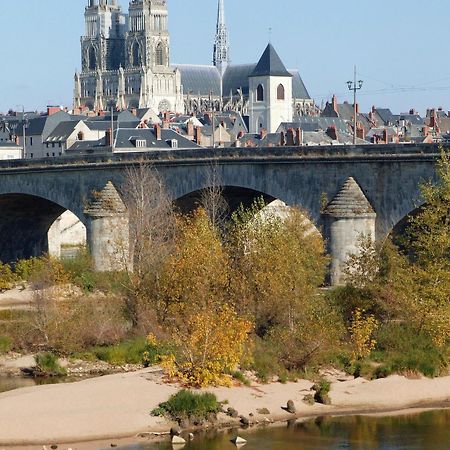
{"x": 159, "y": 54}
{"x": 136, "y": 55}
{"x": 280, "y": 92}
{"x": 260, "y": 93}
{"x": 92, "y": 59}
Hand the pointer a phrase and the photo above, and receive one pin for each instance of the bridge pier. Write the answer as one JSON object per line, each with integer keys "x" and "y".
{"x": 347, "y": 217}
{"x": 108, "y": 231}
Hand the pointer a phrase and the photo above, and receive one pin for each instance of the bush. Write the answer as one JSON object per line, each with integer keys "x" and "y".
{"x": 5, "y": 344}
{"x": 401, "y": 349}
{"x": 47, "y": 365}
{"x": 42, "y": 272}
{"x": 127, "y": 352}
{"x": 322, "y": 390}
{"x": 186, "y": 404}
{"x": 154, "y": 351}
{"x": 7, "y": 277}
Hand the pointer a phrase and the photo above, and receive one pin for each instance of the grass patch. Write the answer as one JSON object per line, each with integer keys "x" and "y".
{"x": 322, "y": 390}
{"x": 127, "y": 352}
{"x": 239, "y": 376}
{"x": 187, "y": 404}
{"x": 5, "y": 344}
{"x": 47, "y": 365}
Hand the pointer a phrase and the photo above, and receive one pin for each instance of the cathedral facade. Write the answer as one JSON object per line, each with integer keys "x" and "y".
{"x": 126, "y": 64}
{"x": 126, "y": 58}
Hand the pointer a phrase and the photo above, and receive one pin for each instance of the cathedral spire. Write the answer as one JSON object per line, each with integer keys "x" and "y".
{"x": 221, "y": 47}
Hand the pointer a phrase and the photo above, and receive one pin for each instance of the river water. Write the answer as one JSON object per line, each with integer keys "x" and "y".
{"x": 426, "y": 431}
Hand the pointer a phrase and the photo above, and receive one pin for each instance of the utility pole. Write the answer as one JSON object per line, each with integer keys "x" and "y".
{"x": 212, "y": 120}
{"x": 112, "y": 129}
{"x": 24, "y": 127}
{"x": 354, "y": 86}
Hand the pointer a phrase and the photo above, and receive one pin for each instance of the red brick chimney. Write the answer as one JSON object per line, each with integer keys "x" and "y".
{"x": 332, "y": 132}
{"x": 360, "y": 132}
{"x": 157, "y": 131}
{"x": 433, "y": 119}
{"x": 190, "y": 128}
{"x": 334, "y": 103}
{"x": 108, "y": 137}
{"x": 240, "y": 134}
{"x": 52, "y": 110}
{"x": 298, "y": 137}
{"x": 198, "y": 135}
{"x": 290, "y": 137}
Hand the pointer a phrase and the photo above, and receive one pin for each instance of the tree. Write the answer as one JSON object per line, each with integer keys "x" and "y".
{"x": 152, "y": 233}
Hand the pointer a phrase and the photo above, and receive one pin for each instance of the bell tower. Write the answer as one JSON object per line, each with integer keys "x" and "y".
{"x": 147, "y": 39}
{"x": 102, "y": 44}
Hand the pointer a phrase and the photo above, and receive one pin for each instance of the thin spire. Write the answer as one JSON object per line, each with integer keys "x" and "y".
{"x": 221, "y": 47}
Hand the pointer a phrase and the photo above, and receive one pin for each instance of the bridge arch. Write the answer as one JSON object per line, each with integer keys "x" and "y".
{"x": 25, "y": 222}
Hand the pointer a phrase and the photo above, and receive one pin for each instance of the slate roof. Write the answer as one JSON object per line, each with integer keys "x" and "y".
{"x": 199, "y": 80}
{"x": 308, "y": 123}
{"x": 62, "y": 131}
{"x": 124, "y": 139}
{"x": 270, "y": 64}
{"x": 349, "y": 202}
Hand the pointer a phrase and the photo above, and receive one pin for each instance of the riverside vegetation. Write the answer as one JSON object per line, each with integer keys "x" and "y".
{"x": 211, "y": 297}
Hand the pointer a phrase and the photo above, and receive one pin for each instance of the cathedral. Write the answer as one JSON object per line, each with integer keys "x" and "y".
{"x": 126, "y": 64}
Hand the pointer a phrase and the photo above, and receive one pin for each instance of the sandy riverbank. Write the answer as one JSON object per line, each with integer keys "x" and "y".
{"x": 117, "y": 406}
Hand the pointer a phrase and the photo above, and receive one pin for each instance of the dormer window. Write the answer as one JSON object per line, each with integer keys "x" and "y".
{"x": 260, "y": 93}
{"x": 141, "y": 143}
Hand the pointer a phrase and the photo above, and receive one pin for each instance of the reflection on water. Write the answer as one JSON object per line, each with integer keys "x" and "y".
{"x": 12, "y": 383}
{"x": 426, "y": 431}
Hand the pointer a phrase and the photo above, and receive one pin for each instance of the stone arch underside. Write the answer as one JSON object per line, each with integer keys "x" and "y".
{"x": 25, "y": 221}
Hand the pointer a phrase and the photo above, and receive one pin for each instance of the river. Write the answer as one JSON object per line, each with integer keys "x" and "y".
{"x": 426, "y": 431}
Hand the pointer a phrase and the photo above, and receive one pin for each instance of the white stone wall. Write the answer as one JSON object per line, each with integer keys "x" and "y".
{"x": 271, "y": 112}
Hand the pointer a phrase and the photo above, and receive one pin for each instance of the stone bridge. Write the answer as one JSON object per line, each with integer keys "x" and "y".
{"x": 34, "y": 193}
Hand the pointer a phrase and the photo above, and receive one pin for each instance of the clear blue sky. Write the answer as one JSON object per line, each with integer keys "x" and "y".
{"x": 401, "y": 47}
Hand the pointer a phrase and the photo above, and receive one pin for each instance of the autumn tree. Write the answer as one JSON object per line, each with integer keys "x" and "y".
{"x": 152, "y": 231}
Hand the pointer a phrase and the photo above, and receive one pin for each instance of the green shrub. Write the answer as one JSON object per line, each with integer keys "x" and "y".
{"x": 239, "y": 376}
{"x": 155, "y": 350}
{"x": 47, "y": 365}
{"x": 5, "y": 344}
{"x": 401, "y": 349}
{"x": 127, "y": 352}
{"x": 186, "y": 404}
{"x": 322, "y": 390}
{"x": 42, "y": 272}
{"x": 7, "y": 277}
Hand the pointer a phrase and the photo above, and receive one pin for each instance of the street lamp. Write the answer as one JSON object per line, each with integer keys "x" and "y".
{"x": 354, "y": 86}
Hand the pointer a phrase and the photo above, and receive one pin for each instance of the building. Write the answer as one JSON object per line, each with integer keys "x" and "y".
{"x": 126, "y": 64}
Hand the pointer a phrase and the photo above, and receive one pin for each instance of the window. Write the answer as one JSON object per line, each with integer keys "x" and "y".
{"x": 280, "y": 92}
{"x": 135, "y": 55}
{"x": 92, "y": 59}
{"x": 260, "y": 93}
{"x": 159, "y": 54}
{"x": 31, "y": 141}
{"x": 80, "y": 136}
{"x": 141, "y": 143}
{"x": 173, "y": 143}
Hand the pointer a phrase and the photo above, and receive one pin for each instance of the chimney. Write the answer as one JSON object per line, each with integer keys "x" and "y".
{"x": 426, "y": 131}
{"x": 290, "y": 137}
{"x": 332, "y": 132}
{"x": 373, "y": 109}
{"x": 52, "y": 110}
{"x": 157, "y": 131}
{"x": 299, "y": 137}
{"x": 262, "y": 133}
{"x": 282, "y": 139}
{"x": 190, "y": 128}
{"x": 334, "y": 102}
{"x": 433, "y": 121}
{"x": 360, "y": 132}
{"x": 240, "y": 134}
{"x": 108, "y": 138}
{"x": 198, "y": 135}
{"x": 385, "y": 136}
{"x": 134, "y": 111}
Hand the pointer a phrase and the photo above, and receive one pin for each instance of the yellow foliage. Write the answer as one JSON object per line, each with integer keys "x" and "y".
{"x": 211, "y": 343}
{"x": 361, "y": 332}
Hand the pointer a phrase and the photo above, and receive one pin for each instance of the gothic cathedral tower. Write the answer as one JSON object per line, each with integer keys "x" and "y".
{"x": 147, "y": 40}
{"x": 102, "y": 45}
